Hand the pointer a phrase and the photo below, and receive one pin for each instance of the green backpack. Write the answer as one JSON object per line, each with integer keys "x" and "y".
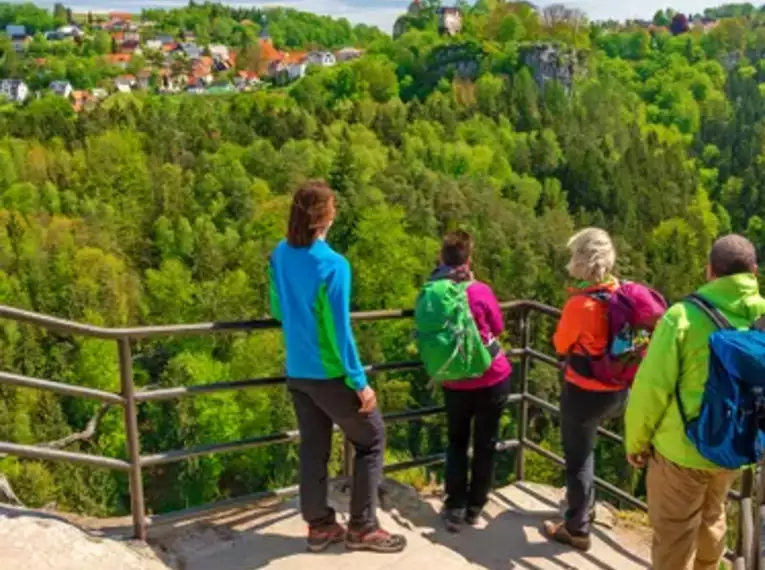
{"x": 450, "y": 345}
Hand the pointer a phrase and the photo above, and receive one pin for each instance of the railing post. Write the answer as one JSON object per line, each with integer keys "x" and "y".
{"x": 746, "y": 531}
{"x": 137, "y": 507}
{"x": 758, "y": 494}
{"x": 520, "y": 466}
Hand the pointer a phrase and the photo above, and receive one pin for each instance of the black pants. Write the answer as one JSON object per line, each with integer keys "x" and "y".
{"x": 463, "y": 408}
{"x": 582, "y": 411}
{"x": 319, "y": 404}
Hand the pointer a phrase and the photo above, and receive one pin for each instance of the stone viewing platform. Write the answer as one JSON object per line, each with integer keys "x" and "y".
{"x": 271, "y": 535}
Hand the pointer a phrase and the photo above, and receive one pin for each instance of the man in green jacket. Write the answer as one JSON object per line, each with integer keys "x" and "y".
{"x": 687, "y": 493}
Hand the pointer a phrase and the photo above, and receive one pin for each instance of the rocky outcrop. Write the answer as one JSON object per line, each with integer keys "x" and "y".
{"x": 732, "y": 60}
{"x": 553, "y": 62}
{"x": 34, "y": 540}
{"x": 451, "y": 61}
{"x": 461, "y": 60}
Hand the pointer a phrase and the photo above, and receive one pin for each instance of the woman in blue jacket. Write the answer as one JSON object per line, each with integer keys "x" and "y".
{"x": 310, "y": 294}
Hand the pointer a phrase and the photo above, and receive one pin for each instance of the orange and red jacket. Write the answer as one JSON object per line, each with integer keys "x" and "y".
{"x": 583, "y": 329}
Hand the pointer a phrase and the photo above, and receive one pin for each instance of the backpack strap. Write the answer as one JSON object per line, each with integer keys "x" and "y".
{"x": 714, "y": 314}
{"x": 599, "y": 295}
{"x": 759, "y": 324}
{"x": 721, "y": 323}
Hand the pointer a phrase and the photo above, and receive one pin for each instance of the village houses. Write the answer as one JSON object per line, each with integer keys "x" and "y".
{"x": 61, "y": 88}
{"x": 15, "y": 90}
{"x": 186, "y": 65}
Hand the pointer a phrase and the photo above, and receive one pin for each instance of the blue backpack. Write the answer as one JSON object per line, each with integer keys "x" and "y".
{"x": 729, "y": 428}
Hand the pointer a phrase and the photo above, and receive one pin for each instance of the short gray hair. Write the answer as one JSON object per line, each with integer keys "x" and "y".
{"x": 593, "y": 255}
{"x": 732, "y": 254}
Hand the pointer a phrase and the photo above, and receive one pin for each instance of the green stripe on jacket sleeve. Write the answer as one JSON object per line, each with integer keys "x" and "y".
{"x": 273, "y": 294}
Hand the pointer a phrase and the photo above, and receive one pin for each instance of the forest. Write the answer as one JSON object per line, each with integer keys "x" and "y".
{"x": 163, "y": 209}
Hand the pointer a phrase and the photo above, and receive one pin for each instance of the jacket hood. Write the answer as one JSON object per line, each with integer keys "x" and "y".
{"x": 736, "y": 295}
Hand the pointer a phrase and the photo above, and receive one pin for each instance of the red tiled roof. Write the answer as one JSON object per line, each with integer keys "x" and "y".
{"x": 268, "y": 52}
{"x": 248, "y": 75}
{"x": 199, "y": 69}
{"x": 79, "y": 98}
{"x": 117, "y": 58}
{"x": 295, "y": 57}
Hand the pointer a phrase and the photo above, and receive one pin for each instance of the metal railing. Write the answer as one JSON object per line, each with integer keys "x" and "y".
{"x": 745, "y": 557}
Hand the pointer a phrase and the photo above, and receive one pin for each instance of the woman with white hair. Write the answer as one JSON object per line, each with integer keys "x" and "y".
{"x": 583, "y": 330}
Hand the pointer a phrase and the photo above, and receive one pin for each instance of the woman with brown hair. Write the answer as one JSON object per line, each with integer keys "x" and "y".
{"x": 310, "y": 291}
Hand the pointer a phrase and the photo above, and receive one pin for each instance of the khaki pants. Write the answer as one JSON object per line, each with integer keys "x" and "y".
{"x": 687, "y": 512}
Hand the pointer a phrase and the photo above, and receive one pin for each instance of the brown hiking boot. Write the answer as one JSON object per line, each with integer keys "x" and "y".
{"x": 377, "y": 540}
{"x": 321, "y": 537}
{"x": 558, "y": 532}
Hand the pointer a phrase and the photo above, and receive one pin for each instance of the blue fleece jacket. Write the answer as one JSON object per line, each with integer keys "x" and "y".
{"x": 310, "y": 292}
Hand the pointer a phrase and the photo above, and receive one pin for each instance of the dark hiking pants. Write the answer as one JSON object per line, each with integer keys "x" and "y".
{"x": 582, "y": 411}
{"x": 482, "y": 410}
{"x": 319, "y": 404}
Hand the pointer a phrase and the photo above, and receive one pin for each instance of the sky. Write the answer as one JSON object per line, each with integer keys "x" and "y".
{"x": 383, "y": 13}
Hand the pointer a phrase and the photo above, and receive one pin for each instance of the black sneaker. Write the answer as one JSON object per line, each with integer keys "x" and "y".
{"x": 453, "y": 519}
{"x": 472, "y": 516}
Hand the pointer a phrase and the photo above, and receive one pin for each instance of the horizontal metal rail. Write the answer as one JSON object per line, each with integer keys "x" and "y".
{"x": 425, "y": 461}
{"x": 176, "y": 392}
{"x": 177, "y": 455}
{"x": 602, "y": 483}
{"x": 60, "y": 388}
{"x": 411, "y": 415}
{"x": 213, "y": 448}
{"x": 550, "y": 407}
{"x": 542, "y": 357}
{"x": 65, "y": 326}
{"x": 531, "y": 306}
{"x": 49, "y": 454}
{"x": 508, "y": 445}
